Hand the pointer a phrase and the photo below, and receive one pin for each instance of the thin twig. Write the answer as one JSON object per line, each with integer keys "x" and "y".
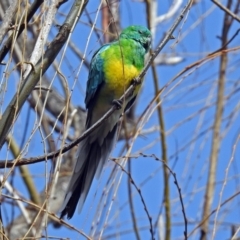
{"x": 30, "y": 13}
{"x": 43, "y": 88}
{"x": 233, "y": 155}
{"x": 227, "y": 43}
{"x": 178, "y": 188}
{"x": 129, "y": 163}
{"x": 52, "y": 215}
{"x": 213, "y": 211}
{"x": 226, "y": 10}
{"x": 163, "y": 145}
{"x": 8, "y": 19}
{"x": 20, "y": 204}
{"x": 142, "y": 199}
{"x": 25, "y": 174}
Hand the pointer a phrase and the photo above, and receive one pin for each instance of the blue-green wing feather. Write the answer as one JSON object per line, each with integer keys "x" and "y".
{"x": 96, "y": 76}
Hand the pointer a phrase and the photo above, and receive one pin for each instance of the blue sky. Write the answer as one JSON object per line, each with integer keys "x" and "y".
{"x": 189, "y": 108}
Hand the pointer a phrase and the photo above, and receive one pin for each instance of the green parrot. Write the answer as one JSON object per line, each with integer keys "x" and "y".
{"x": 113, "y": 68}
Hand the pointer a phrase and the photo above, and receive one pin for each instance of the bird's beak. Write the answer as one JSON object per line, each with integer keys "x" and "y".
{"x": 147, "y": 44}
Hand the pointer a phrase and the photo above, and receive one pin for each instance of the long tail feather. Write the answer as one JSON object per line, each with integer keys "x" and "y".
{"x": 90, "y": 161}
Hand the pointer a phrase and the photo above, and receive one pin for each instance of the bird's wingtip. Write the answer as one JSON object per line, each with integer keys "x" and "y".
{"x": 64, "y": 208}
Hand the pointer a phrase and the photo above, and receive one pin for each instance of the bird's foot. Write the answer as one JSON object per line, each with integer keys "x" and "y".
{"x": 135, "y": 81}
{"x": 118, "y": 103}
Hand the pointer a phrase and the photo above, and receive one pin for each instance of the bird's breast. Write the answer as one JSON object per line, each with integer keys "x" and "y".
{"x": 118, "y": 76}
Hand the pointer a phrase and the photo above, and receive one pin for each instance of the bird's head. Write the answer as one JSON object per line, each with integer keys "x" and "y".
{"x": 138, "y": 33}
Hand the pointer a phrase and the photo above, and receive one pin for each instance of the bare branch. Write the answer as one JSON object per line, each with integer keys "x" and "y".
{"x": 8, "y": 19}
{"x": 226, "y": 10}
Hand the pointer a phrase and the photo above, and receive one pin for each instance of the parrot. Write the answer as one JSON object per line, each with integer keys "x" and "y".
{"x": 113, "y": 68}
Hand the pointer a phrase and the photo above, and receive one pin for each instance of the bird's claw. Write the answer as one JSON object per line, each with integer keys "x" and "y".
{"x": 118, "y": 103}
{"x": 135, "y": 81}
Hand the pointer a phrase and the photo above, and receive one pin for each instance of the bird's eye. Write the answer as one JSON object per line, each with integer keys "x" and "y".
{"x": 140, "y": 31}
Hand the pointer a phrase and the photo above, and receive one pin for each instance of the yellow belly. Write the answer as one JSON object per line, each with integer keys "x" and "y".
{"x": 118, "y": 78}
